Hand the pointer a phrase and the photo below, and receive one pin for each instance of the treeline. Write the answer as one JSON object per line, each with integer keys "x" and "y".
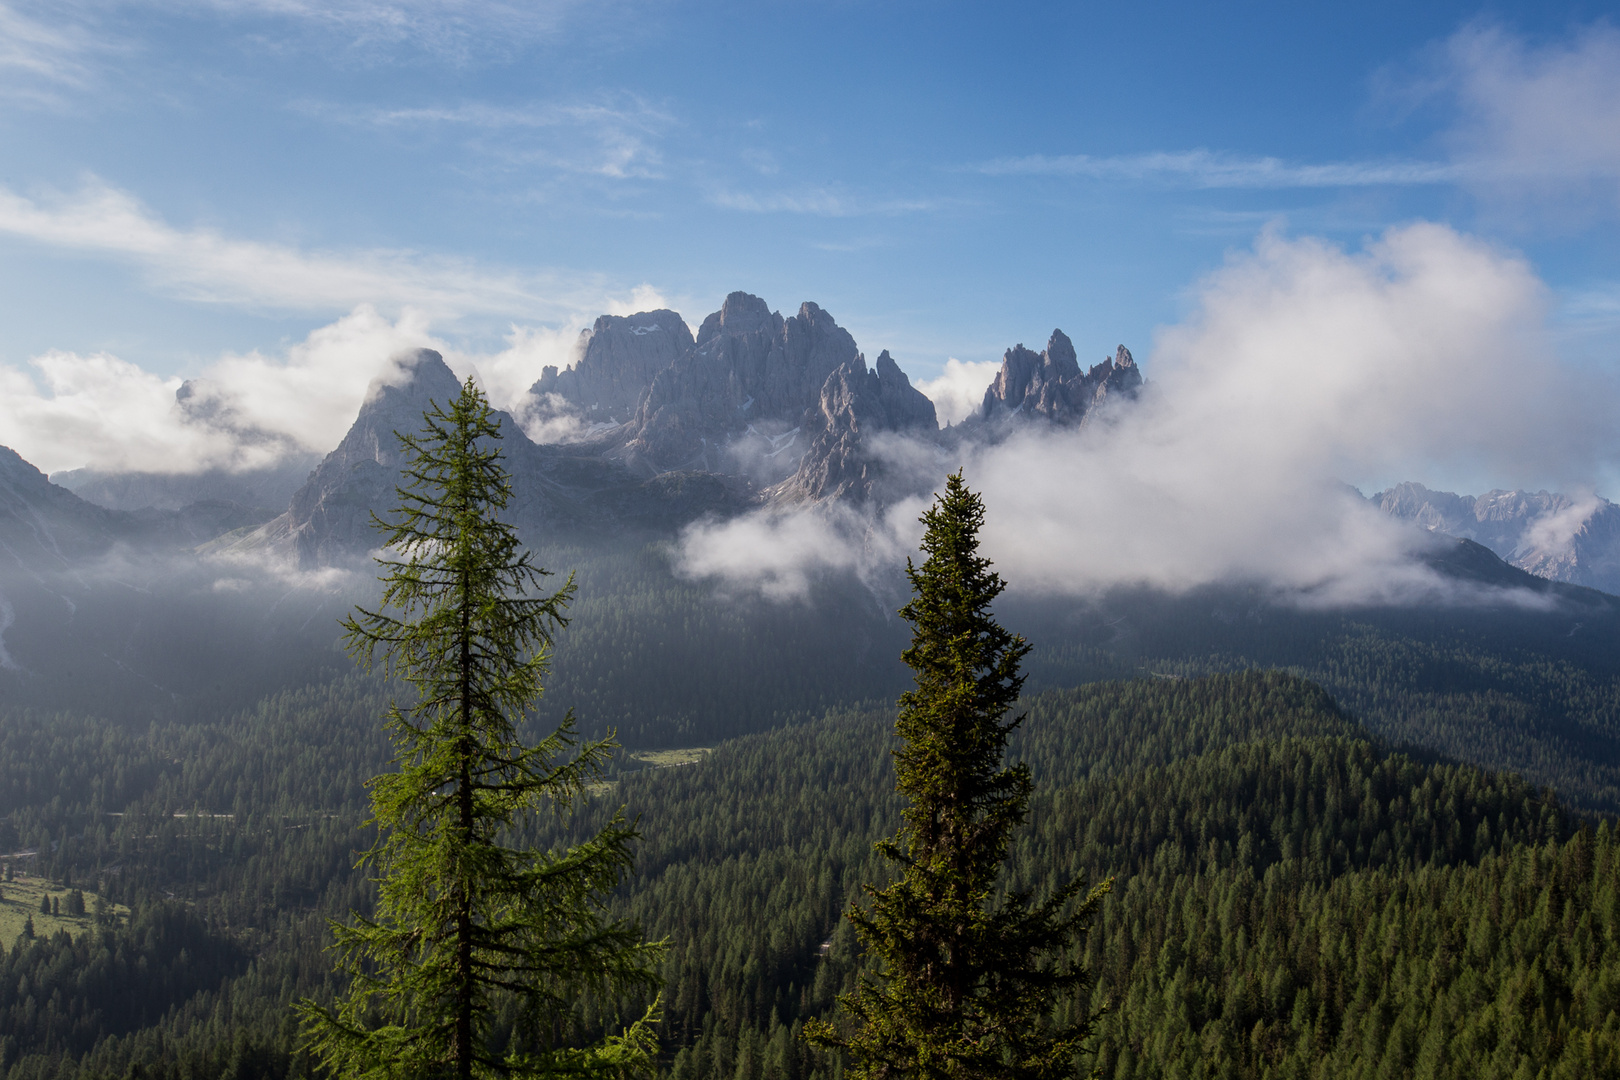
{"x": 1293, "y": 897}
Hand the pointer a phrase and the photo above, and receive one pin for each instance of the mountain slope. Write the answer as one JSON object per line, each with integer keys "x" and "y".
{"x": 1548, "y": 534}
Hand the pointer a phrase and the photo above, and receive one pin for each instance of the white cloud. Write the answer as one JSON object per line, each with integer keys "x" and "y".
{"x": 97, "y": 409}
{"x": 1207, "y": 169}
{"x": 250, "y": 409}
{"x": 1537, "y": 120}
{"x": 1303, "y": 366}
{"x": 244, "y": 411}
{"x": 204, "y": 265}
{"x": 780, "y": 553}
{"x": 958, "y": 391}
{"x": 309, "y": 396}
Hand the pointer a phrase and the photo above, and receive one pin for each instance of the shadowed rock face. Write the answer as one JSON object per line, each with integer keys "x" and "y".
{"x": 855, "y": 405}
{"x": 268, "y": 488}
{"x": 1050, "y": 384}
{"x": 43, "y": 526}
{"x": 619, "y": 357}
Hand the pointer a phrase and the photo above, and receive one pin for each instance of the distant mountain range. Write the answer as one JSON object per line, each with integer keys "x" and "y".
{"x": 1547, "y": 534}
{"x": 652, "y": 427}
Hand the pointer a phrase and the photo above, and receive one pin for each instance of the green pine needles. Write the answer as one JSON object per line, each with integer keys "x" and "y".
{"x": 465, "y": 924}
{"x": 966, "y": 980}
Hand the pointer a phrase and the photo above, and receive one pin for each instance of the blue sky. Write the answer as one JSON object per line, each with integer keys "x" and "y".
{"x": 213, "y": 188}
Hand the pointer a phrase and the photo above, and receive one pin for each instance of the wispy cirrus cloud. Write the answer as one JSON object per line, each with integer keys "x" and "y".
{"x": 819, "y": 201}
{"x": 615, "y": 137}
{"x": 206, "y": 265}
{"x": 40, "y": 57}
{"x": 1209, "y": 169}
{"x": 458, "y": 29}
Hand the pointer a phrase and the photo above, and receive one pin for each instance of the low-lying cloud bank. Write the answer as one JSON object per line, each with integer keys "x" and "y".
{"x": 1304, "y": 366}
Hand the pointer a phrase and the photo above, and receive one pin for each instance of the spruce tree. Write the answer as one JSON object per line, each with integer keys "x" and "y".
{"x": 961, "y": 981}
{"x": 466, "y": 924}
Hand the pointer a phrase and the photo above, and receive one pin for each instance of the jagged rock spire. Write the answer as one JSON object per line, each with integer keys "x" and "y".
{"x": 1050, "y": 384}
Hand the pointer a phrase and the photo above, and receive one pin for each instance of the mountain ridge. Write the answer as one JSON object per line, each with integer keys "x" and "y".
{"x": 1548, "y": 534}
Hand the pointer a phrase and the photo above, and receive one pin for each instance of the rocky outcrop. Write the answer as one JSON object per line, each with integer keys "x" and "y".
{"x": 619, "y": 356}
{"x": 842, "y": 461}
{"x": 1050, "y": 384}
{"x": 329, "y": 517}
{"x": 740, "y": 400}
{"x": 1548, "y": 534}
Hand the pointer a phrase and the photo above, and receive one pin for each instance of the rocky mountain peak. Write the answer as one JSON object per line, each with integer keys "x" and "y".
{"x": 1061, "y": 361}
{"x": 1050, "y": 384}
{"x": 43, "y": 526}
{"x": 743, "y": 398}
{"x": 397, "y": 404}
{"x": 741, "y": 313}
{"x": 619, "y": 356}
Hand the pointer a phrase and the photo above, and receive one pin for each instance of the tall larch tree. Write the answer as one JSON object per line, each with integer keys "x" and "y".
{"x": 961, "y": 983}
{"x": 465, "y": 923}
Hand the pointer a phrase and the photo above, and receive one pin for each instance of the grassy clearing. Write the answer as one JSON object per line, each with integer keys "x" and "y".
{"x": 663, "y": 759}
{"x": 21, "y": 901}
{"x": 652, "y": 759}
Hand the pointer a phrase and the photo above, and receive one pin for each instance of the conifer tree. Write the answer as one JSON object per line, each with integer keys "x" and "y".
{"x": 961, "y": 983}
{"x": 465, "y": 923}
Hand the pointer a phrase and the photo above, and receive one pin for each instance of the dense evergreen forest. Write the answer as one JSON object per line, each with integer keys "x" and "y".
{"x": 1294, "y": 894}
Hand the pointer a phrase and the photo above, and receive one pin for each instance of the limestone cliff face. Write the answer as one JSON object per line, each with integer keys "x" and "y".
{"x": 1050, "y": 384}
{"x": 742, "y": 399}
{"x": 619, "y": 356}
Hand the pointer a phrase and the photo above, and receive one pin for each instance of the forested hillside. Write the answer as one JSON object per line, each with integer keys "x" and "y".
{"x": 1290, "y": 895}
{"x": 1532, "y": 688}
